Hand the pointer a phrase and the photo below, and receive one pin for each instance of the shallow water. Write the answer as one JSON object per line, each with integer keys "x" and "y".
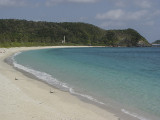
{"x": 127, "y": 79}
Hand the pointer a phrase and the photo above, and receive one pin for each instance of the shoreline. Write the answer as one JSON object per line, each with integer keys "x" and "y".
{"x": 28, "y": 98}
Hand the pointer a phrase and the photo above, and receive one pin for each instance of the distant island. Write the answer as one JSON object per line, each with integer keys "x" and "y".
{"x": 156, "y": 43}
{"x": 15, "y": 33}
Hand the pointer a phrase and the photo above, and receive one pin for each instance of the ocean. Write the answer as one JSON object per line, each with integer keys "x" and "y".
{"x": 126, "y": 80}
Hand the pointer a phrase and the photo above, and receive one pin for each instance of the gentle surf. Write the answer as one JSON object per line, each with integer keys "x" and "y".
{"x": 124, "y": 79}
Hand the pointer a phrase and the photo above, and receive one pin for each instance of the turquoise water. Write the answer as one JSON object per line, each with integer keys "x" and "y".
{"x": 126, "y": 78}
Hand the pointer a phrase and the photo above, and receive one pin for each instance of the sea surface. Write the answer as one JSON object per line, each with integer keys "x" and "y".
{"x": 124, "y": 79}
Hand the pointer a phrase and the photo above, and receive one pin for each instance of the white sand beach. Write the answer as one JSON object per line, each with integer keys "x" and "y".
{"x": 27, "y": 98}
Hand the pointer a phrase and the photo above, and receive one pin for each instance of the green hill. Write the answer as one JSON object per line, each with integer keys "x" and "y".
{"x": 29, "y": 33}
{"x": 156, "y": 42}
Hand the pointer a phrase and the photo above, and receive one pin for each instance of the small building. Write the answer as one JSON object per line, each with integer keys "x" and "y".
{"x": 64, "y": 40}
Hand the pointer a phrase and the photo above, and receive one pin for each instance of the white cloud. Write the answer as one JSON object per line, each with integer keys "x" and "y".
{"x": 120, "y": 14}
{"x": 142, "y": 14}
{"x": 120, "y": 3}
{"x": 143, "y": 3}
{"x": 112, "y": 24}
{"x": 120, "y": 18}
{"x": 149, "y": 23}
{"x": 156, "y": 13}
{"x": 132, "y": 3}
{"x": 112, "y": 15}
{"x": 82, "y": 1}
{"x": 51, "y": 2}
{"x": 8, "y": 3}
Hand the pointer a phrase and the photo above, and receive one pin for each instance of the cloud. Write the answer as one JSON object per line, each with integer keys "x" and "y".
{"x": 52, "y": 2}
{"x": 111, "y": 24}
{"x": 112, "y": 15}
{"x": 118, "y": 18}
{"x": 120, "y": 3}
{"x": 143, "y": 3}
{"x": 82, "y": 1}
{"x": 132, "y": 3}
{"x": 156, "y": 13}
{"x": 119, "y": 14}
{"x": 149, "y": 23}
{"x": 9, "y": 3}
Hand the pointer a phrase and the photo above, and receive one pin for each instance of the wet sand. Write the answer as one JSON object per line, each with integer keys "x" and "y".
{"x": 26, "y": 98}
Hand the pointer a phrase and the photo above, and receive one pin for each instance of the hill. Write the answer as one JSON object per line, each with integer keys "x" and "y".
{"x": 156, "y": 42}
{"x": 29, "y": 33}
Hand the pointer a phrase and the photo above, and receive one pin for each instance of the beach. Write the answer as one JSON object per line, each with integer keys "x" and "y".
{"x": 25, "y": 98}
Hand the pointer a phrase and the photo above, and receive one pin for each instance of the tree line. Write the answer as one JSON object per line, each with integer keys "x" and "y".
{"x": 15, "y": 32}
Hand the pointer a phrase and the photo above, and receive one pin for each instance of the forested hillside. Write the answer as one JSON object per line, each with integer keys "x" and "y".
{"x": 29, "y": 33}
{"x": 156, "y": 42}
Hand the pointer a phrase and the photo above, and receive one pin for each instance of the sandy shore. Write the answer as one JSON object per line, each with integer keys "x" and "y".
{"x": 27, "y": 99}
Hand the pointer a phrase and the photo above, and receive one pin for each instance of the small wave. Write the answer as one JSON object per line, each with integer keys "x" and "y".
{"x": 50, "y": 80}
{"x": 134, "y": 115}
{"x": 85, "y": 96}
{"x": 12, "y": 58}
{"x": 40, "y": 75}
{"x": 64, "y": 86}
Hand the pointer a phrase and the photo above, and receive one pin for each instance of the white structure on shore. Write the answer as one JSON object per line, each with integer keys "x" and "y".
{"x": 156, "y": 45}
{"x": 64, "y": 40}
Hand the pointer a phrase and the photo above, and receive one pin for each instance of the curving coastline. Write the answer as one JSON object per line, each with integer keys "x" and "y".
{"x": 26, "y": 98}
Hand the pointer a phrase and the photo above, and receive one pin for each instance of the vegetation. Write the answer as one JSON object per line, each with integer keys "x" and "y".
{"x": 29, "y": 33}
{"x": 156, "y": 42}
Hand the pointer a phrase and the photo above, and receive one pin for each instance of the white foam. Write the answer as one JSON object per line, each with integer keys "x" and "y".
{"x": 50, "y": 80}
{"x": 85, "y": 96}
{"x": 134, "y": 115}
{"x": 40, "y": 75}
{"x": 16, "y": 54}
{"x": 53, "y": 81}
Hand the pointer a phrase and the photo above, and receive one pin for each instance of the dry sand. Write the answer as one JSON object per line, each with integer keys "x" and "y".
{"x": 27, "y": 98}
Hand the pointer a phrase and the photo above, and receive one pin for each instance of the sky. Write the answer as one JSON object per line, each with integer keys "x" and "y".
{"x": 141, "y": 15}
